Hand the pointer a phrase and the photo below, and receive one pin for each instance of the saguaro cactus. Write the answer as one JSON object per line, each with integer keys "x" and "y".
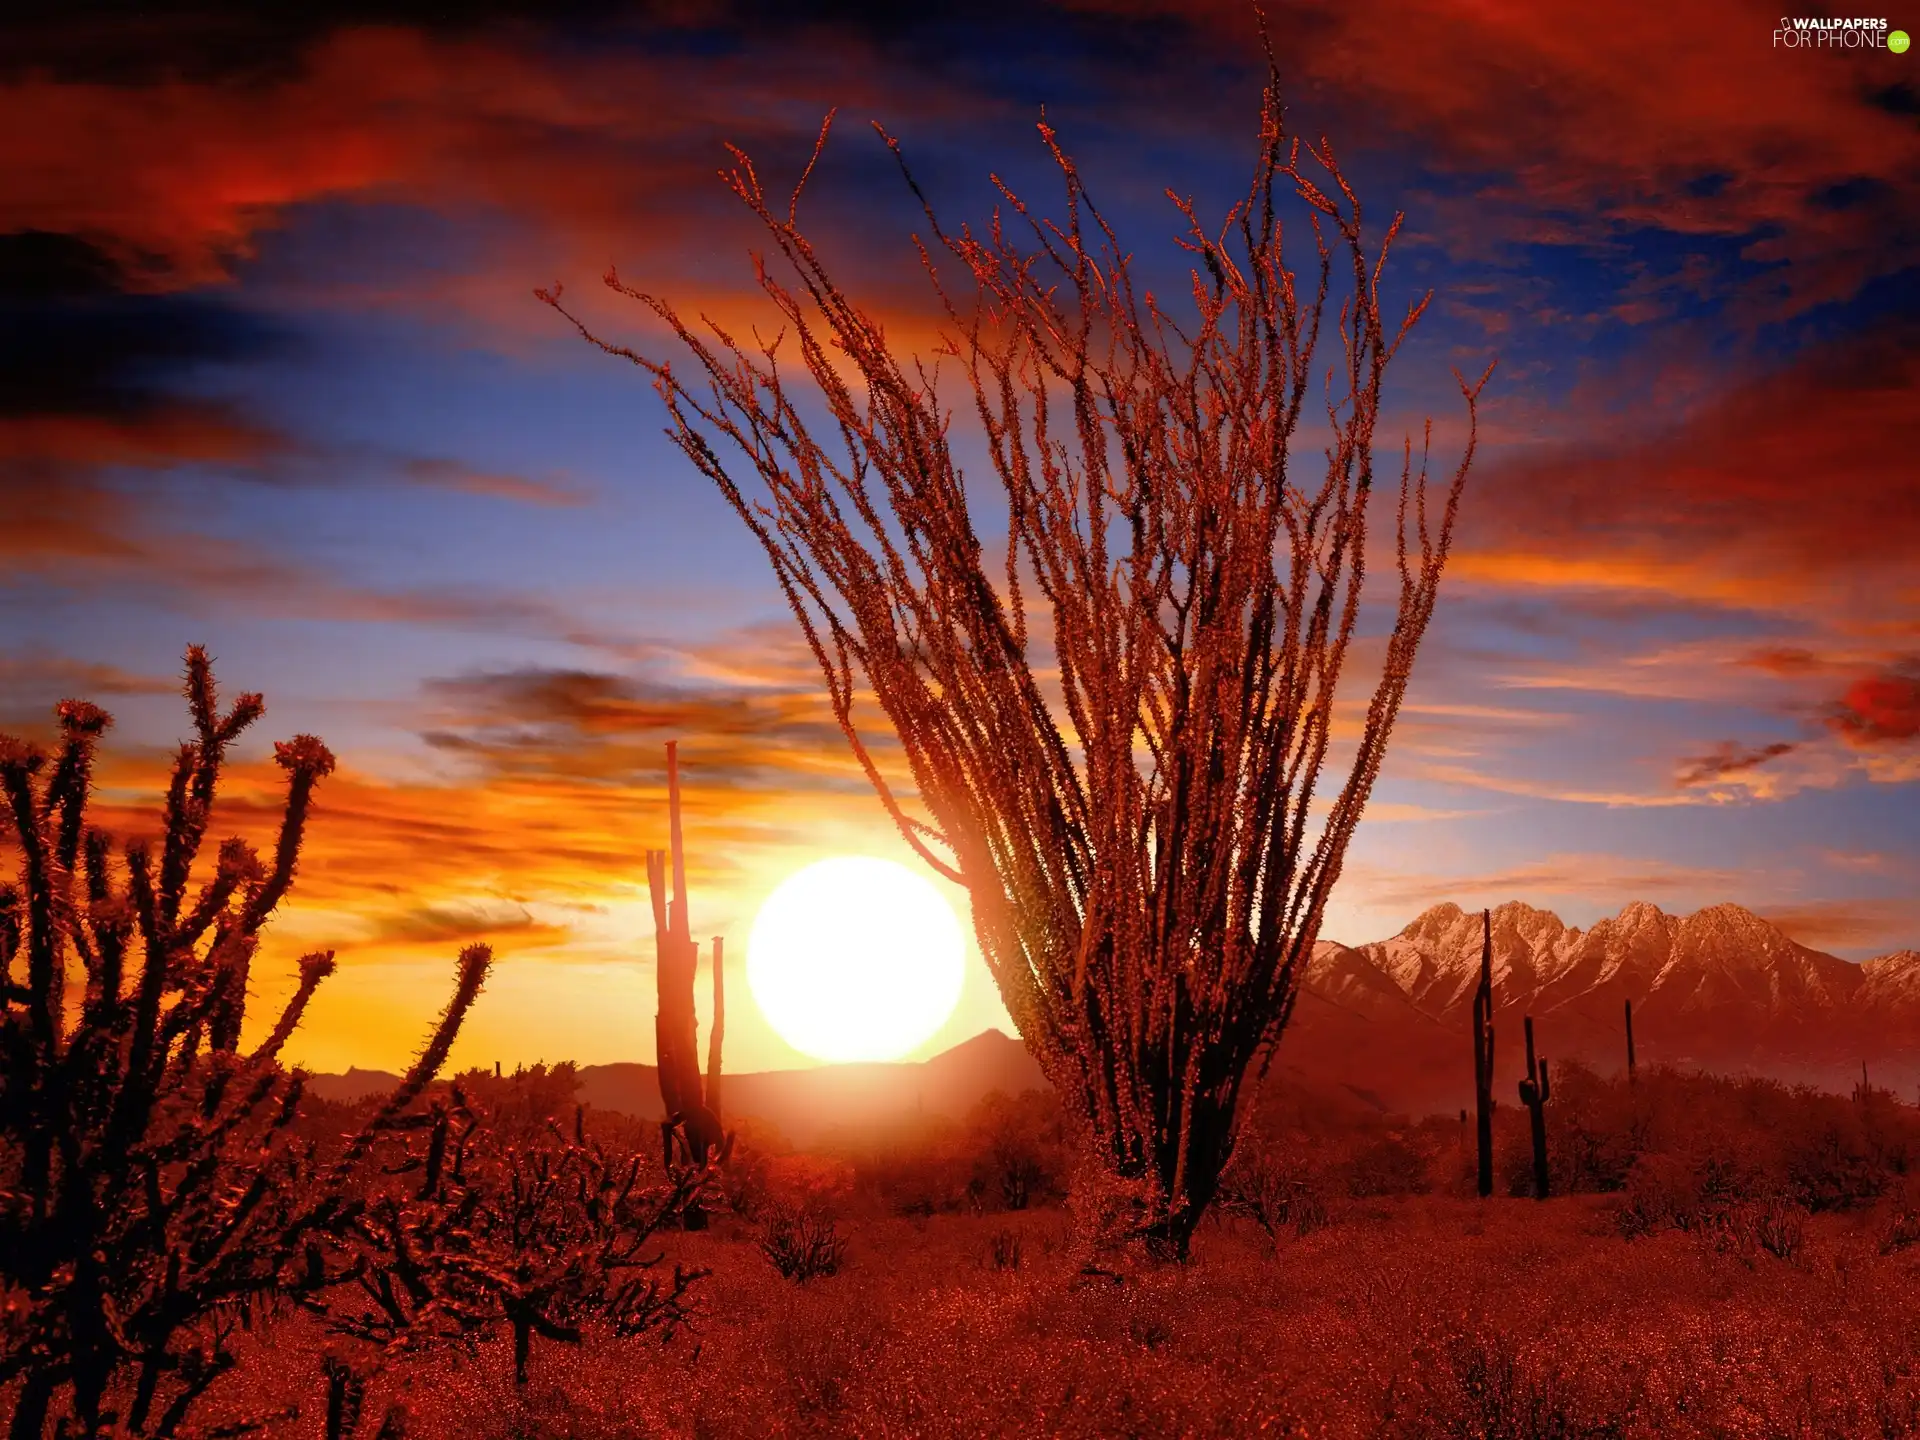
{"x": 1629, "y": 1042}
{"x": 718, "y": 1033}
{"x": 692, "y": 1110}
{"x": 1535, "y": 1091}
{"x": 1483, "y": 1055}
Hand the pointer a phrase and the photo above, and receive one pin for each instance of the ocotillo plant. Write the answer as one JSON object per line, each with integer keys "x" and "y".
{"x": 1630, "y": 1076}
{"x": 151, "y": 1190}
{"x": 1126, "y": 799}
{"x": 691, "y": 1115}
{"x": 1535, "y": 1091}
{"x": 1483, "y": 1057}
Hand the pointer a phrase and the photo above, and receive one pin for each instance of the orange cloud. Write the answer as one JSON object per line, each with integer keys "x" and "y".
{"x": 1848, "y": 923}
{"x": 531, "y": 833}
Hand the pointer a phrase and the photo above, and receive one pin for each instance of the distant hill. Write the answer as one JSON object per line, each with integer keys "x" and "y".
{"x": 802, "y": 1104}
{"x": 1385, "y": 1025}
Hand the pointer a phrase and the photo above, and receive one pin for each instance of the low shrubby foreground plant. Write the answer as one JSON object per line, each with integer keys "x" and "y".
{"x": 801, "y": 1243}
{"x": 534, "y": 1235}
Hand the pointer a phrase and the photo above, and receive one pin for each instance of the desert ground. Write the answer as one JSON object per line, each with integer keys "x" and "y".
{"x": 1734, "y": 1259}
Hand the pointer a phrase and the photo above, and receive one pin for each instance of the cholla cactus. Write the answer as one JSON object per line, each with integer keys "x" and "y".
{"x": 151, "y": 1190}
{"x": 533, "y": 1234}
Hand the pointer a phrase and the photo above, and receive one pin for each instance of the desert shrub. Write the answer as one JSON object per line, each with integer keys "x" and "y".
{"x": 1661, "y": 1192}
{"x": 1482, "y": 1386}
{"x": 1832, "y": 1159}
{"x": 745, "y": 1184}
{"x": 1594, "y": 1133}
{"x": 1005, "y": 1250}
{"x": 1389, "y": 1164}
{"x": 1016, "y": 1147}
{"x": 1901, "y": 1231}
{"x": 1749, "y": 1228}
{"x": 801, "y": 1244}
{"x": 1278, "y": 1194}
{"x": 520, "y": 1106}
{"x": 809, "y": 1182}
{"x": 1900, "y": 1223}
{"x": 1733, "y": 1138}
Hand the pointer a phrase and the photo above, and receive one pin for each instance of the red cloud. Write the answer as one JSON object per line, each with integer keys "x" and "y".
{"x": 1796, "y": 490}
{"x": 1880, "y": 709}
{"x": 607, "y": 150}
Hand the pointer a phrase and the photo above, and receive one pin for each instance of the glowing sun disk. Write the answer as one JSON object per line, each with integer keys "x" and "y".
{"x": 855, "y": 959}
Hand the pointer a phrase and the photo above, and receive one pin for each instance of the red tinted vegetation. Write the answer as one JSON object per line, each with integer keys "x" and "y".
{"x": 1722, "y": 1258}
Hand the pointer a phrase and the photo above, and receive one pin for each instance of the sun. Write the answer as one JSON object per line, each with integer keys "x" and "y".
{"x": 855, "y": 959}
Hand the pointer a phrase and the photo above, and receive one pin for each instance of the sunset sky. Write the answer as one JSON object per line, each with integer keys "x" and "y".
{"x": 273, "y": 379}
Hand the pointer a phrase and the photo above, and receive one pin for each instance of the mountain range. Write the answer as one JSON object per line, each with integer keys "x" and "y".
{"x": 1387, "y": 1023}
{"x": 1721, "y": 989}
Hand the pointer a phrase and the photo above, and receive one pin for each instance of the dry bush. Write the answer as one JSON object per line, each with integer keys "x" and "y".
{"x": 1006, "y": 1250}
{"x": 1771, "y": 1226}
{"x": 1017, "y": 1148}
{"x": 1276, "y": 1192}
{"x": 1485, "y": 1386}
{"x": 1900, "y": 1216}
{"x": 1394, "y": 1163}
{"x": 800, "y": 1243}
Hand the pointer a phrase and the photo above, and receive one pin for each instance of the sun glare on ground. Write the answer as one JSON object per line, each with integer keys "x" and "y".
{"x": 855, "y": 959}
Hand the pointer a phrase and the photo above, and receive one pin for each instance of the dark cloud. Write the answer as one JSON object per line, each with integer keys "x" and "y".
{"x": 456, "y": 923}
{"x": 32, "y": 681}
{"x": 79, "y": 344}
{"x": 1728, "y": 759}
{"x": 1860, "y": 923}
{"x": 600, "y": 728}
{"x": 1784, "y": 660}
